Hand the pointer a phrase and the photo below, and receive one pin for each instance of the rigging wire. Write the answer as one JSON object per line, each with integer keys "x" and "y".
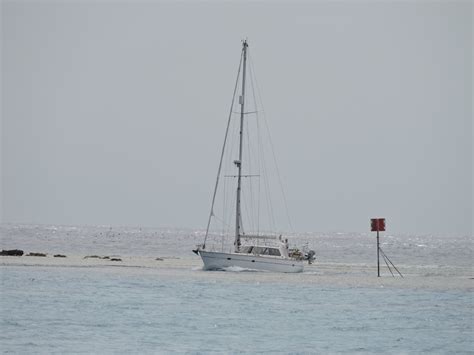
{"x": 259, "y": 148}
{"x": 266, "y": 180}
{"x": 273, "y": 150}
{"x": 222, "y": 154}
{"x": 385, "y": 256}
{"x": 224, "y": 204}
{"x": 228, "y": 217}
{"x": 227, "y": 212}
{"x": 252, "y": 147}
{"x": 251, "y": 204}
{"x": 384, "y": 259}
{"x": 227, "y": 152}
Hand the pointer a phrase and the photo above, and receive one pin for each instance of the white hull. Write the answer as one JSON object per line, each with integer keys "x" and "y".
{"x": 217, "y": 261}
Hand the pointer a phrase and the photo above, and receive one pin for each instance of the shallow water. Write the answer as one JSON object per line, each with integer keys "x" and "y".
{"x": 101, "y": 310}
{"x": 76, "y": 305}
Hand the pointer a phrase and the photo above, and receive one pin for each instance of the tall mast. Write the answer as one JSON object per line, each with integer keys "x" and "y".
{"x": 238, "y": 163}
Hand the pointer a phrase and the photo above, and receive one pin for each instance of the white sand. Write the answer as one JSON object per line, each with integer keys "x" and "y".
{"x": 323, "y": 274}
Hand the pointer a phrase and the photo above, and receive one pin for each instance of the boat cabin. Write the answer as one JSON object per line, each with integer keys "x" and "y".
{"x": 260, "y": 250}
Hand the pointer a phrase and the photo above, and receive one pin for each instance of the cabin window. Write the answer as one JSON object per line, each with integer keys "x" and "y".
{"x": 266, "y": 251}
{"x": 274, "y": 252}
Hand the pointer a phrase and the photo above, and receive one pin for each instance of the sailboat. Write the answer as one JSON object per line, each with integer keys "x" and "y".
{"x": 261, "y": 252}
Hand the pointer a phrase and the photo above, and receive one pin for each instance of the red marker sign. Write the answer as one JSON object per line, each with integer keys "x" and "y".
{"x": 377, "y": 224}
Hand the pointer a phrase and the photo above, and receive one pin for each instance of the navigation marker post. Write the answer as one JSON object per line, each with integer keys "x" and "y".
{"x": 378, "y": 225}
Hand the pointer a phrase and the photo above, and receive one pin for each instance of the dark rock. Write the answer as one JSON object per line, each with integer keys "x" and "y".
{"x": 59, "y": 256}
{"x": 36, "y": 254}
{"x": 105, "y": 257}
{"x": 12, "y": 252}
{"x": 115, "y": 259}
{"x": 92, "y": 257}
{"x": 159, "y": 259}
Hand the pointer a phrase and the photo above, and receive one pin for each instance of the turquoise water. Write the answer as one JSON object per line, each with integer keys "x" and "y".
{"x": 141, "y": 305}
{"x": 104, "y": 310}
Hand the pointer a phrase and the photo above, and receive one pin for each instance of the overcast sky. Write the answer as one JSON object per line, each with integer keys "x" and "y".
{"x": 114, "y": 113}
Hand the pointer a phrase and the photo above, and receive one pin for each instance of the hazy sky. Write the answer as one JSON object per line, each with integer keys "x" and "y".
{"x": 114, "y": 112}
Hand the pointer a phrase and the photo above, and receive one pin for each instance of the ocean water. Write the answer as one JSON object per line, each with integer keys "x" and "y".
{"x": 141, "y": 305}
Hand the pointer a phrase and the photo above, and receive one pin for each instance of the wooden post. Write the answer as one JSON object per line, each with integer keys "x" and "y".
{"x": 378, "y": 252}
